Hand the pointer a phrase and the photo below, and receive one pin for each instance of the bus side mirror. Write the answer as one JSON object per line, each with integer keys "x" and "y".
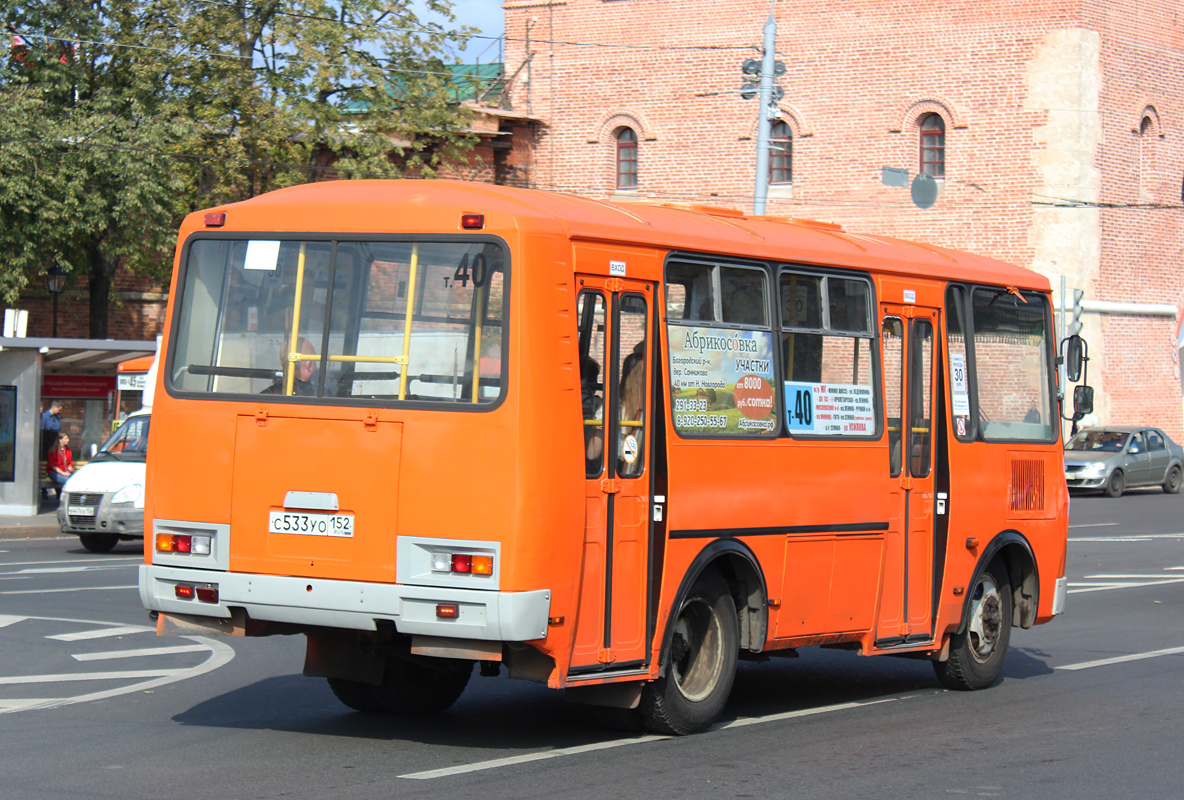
{"x": 1075, "y": 355}
{"x": 1083, "y": 401}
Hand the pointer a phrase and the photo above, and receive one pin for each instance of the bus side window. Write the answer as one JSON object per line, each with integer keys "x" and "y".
{"x": 893, "y": 347}
{"x": 590, "y": 311}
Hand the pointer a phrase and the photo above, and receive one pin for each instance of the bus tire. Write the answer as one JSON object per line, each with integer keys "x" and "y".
{"x": 978, "y": 652}
{"x": 700, "y": 662}
{"x": 1116, "y": 484}
{"x": 356, "y": 695}
{"x": 1172, "y": 484}
{"x": 99, "y": 542}
{"x": 421, "y": 686}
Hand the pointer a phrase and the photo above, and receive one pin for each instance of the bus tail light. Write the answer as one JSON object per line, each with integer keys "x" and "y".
{"x": 184, "y": 543}
{"x": 482, "y": 565}
{"x": 184, "y": 591}
{"x": 462, "y": 563}
{"x": 447, "y": 610}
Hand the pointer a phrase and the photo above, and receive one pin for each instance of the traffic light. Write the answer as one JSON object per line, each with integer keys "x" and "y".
{"x": 1074, "y": 326}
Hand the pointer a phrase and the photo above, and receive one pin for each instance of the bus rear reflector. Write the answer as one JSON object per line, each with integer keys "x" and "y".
{"x": 207, "y": 594}
{"x": 215, "y": 219}
{"x": 447, "y": 610}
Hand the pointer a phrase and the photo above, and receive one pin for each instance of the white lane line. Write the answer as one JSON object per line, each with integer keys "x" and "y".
{"x": 75, "y": 589}
{"x": 1156, "y": 576}
{"x": 1173, "y": 567}
{"x": 1134, "y": 537}
{"x": 10, "y": 680}
{"x": 1094, "y": 525}
{"x": 135, "y": 559}
{"x": 7, "y": 619}
{"x": 143, "y": 651}
{"x": 525, "y": 758}
{"x": 1086, "y": 587}
{"x": 17, "y": 705}
{"x": 101, "y": 633}
{"x": 62, "y": 570}
{"x": 1104, "y": 662}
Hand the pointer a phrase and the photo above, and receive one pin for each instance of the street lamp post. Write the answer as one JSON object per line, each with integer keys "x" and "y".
{"x": 56, "y": 283}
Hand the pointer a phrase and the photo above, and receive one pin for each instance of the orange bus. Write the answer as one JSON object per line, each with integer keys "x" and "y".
{"x": 378, "y": 397}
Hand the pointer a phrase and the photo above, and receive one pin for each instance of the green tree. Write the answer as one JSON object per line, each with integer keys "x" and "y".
{"x": 122, "y": 115}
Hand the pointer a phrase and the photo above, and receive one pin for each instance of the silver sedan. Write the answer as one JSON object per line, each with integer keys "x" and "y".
{"x": 1114, "y": 458}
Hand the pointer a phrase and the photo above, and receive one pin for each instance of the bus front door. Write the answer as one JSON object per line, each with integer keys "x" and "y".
{"x": 906, "y": 598}
{"x": 614, "y": 318}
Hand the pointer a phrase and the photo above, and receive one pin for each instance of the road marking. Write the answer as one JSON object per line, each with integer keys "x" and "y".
{"x": 13, "y": 680}
{"x": 525, "y": 758}
{"x": 101, "y": 633}
{"x": 75, "y": 589}
{"x": 1105, "y": 662}
{"x": 74, "y": 561}
{"x": 1101, "y": 587}
{"x": 1134, "y": 537}
{"x": 1094, "y": 525}
{"x": 6, "y": 620}
{"x": 62, "y": 570}
{"x": 220, "y": 654}
{"x": 143, "y": 651}
{"x": 1156, "y": 576}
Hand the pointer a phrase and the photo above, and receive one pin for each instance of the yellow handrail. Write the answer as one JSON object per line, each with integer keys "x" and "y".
{"x": 294, "y": 340}
{"x": 407, "y": 320}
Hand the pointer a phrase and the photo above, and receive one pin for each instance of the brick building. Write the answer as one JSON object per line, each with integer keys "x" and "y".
{"x": 1055, "y": 130}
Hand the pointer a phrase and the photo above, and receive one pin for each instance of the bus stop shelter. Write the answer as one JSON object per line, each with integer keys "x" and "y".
{"x": 70, "y": 368}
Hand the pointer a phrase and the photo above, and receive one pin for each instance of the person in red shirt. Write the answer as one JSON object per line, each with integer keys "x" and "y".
{"x": 60, "y": 462}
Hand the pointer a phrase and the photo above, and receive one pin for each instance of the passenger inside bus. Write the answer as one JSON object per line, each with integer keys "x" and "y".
{"x": 632, "y": 406}
{"x": 306, "y": 371}
{"x": 593, "y": 413}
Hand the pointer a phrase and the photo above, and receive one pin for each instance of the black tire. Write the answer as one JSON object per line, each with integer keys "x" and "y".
{"x": 700, "y": 662}
{"x": 978, "y": 652}
{"x": 99, "y": 542}
{"x": 356, "y": 695}
{"x": 1116, "y": 485}
{"x": 1171, "y": 484}
{"x": 421, "y": 686}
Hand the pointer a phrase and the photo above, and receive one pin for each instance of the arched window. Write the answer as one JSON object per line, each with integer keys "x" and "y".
{"x": 933, "y": 145}
{"x": 1147, "y": 165}
{"x": 780, "y": 153}
{"x": 626, "y": 159}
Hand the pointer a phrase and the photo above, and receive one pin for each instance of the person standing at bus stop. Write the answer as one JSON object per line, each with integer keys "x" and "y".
{"x": 51, "y": 426}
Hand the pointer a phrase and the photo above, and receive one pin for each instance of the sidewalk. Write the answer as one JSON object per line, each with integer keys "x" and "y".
{"x": 38, "y": 527}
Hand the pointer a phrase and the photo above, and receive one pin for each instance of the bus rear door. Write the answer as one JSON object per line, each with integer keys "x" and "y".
{"x": 909, "y": 347}
{"x": 615, "y": 318}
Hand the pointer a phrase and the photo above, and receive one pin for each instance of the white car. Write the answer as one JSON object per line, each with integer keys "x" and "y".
{"x": 103, "y": 501}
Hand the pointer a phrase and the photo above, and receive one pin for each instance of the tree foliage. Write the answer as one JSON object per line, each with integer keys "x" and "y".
{"x": 122, "y": 115}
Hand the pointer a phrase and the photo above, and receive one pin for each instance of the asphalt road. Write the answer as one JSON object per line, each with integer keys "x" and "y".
{"x": 94, "y": 705}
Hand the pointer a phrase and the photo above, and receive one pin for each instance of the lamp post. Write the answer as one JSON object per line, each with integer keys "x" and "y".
{"x": 56, "y": 282}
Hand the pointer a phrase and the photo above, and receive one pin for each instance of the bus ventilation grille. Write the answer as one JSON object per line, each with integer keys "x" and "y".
{"x": 1027, "y": 485}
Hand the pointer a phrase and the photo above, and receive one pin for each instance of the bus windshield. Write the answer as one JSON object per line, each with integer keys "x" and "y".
{"x": 368, "y": 321}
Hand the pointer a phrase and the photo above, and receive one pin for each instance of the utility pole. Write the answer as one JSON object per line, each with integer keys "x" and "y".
{"x": 767, "y": 108}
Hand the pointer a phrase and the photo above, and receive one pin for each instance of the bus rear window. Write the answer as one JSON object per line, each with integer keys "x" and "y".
{"x": 369, "y": 321}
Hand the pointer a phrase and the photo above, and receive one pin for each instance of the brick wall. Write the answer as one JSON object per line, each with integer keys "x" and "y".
{"x": 1043, "y": 102}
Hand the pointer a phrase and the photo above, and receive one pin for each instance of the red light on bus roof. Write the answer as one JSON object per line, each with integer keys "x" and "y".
{"x": 447, "y": 610}
{"x": 215, "y": 219}
{"x": 472, "y": 221}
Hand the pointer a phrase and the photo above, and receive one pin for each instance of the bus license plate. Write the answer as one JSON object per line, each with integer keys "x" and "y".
{"x": 80, "y": 511}
{"x": 310, "y": 524}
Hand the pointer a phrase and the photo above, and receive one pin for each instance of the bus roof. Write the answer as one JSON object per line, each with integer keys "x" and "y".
{"x": 415, "y": 205}
{"x": 141, "y": 364}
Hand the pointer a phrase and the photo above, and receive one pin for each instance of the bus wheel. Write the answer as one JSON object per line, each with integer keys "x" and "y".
{"x": 1172, "y": 484}
{"x": 1116, "y": 484}
{"x": 700, "y": 662}
{"x": 356, "y": 695}
{"x": 99, "y": 542}
{"x": 977, "y": 653}
{"x": 419, "y": 686}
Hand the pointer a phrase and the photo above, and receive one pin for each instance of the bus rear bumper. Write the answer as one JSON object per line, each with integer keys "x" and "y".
{"x": 484, "y": 615}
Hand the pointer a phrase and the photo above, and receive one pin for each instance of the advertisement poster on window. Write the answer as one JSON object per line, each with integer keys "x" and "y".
{"x": 7, "y": 434}
{"x": 829, "y": 409}
{"x": 722, "y": 381}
